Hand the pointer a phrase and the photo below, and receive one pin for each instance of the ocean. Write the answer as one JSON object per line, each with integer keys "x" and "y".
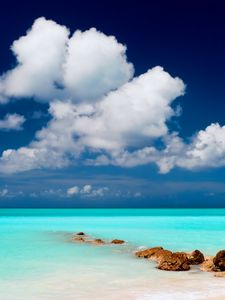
{"x": 39, "y": 262}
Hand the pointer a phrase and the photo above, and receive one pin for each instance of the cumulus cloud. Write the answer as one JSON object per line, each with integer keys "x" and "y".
{"x": 132, "y": 115}
{"x": 40, "y": 55}
{"x": 87, "y": 191}
{"x": 94, "y": 65}
{"x": 12, "y": 122}
{"x": 73, "y": 191}
{"x": 97, "y": 107}
{"x": 207, "y": 149}
{"x": 52, "y": 65}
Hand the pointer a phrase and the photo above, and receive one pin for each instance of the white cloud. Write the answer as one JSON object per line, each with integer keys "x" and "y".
{"x": 207, "y": 149}
{"x": 133, "y": 115}
{"x": 87, "y": 191}
{"x": 40, "y": 55}
{"x": 73, "y": 191}
{"x": 94, "y": 65}
{"x": 52, "y": 65}
{"x": 12, "y": 122}
{"x": 101, "y": 109}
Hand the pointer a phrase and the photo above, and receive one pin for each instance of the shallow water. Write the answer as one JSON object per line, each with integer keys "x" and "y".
{"x": 38, "y": 261}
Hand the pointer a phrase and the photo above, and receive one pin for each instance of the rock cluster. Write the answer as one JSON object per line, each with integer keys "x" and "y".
{"x": 172, "y": 261}
{"x": 81, "y": 237}
{"x": 166, "y": 259}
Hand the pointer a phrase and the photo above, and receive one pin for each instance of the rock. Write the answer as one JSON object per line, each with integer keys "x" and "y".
{"x": 148, "y": 252}
{"x": 177, "y": 261}
{"x": 208, "y": 265}
{"x": 117, "y": 242}
{"x": 78, "y": 239}
{"x": 219, "y": 260}
{"x": 196, "y": 258}
{"x": 160, "y": 254}
{"x": 80, "y": 233}
{"x": 98, "y": 242}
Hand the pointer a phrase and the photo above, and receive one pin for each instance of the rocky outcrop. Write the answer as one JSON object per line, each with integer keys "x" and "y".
{"x": 196, "y": 258}
{"x": 177, "y": 261}
{"x": 219, "y": 260}
{"x": 148, "y": 252}
{"x": 117, "y": 242}
{"x": 167, "y": 260}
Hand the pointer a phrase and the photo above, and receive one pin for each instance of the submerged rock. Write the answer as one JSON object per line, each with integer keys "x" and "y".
{"x": 177, "y": 261}
{"x": 219, "y": 260}
{"x": 148, "y": 252}
{"x": 78, "y": 239}
{"x": 116, "y": 241}
{"x": 196, "y": 258}
{"x": 97, "y": 242}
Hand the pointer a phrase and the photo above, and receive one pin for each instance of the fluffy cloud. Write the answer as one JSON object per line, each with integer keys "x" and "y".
{"x": 94, "y": 65}
{"x": 87, "y": 191}
{"x": 132, "y": 115}
{"x": 12, "y": 122}
{"x": 40, "y": 55}
{"x": 207, "y": 149}
{"x": 100, "y": 113}
{"x": 73, "y": 191}
{"x": 52, "y": 65}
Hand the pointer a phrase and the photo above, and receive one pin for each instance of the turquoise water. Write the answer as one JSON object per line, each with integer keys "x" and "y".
{"x": 38, "y": 261}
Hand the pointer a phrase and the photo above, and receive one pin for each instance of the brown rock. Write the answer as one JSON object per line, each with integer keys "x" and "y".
{"x": 148, "y": 252}
{"x": 160, "y": 254}
{"x": 117, "y": 242}
{"x": 219, "y": 260}
{"x": 177, "y": 261}
{"x": 208, "y": 265}
{"x": 196, "y": 258}
{"x": 98, "y": 242}
{"x": 78, "y": 239}
{"x": 80, "y": 233}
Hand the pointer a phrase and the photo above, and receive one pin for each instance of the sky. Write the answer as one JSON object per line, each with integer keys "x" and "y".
{"x": 112, "y": 104}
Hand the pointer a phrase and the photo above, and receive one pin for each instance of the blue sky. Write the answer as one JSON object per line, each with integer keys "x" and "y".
{"x": 112, "y": 106}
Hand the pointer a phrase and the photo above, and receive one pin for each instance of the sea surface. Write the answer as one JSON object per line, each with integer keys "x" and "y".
{"x": 38, "y": 261}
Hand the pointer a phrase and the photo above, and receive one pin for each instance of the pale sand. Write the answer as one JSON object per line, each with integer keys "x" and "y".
{"x": 158, "y": 285}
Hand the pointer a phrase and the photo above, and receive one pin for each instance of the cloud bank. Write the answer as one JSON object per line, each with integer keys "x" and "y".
{"x": 100, "y": 113}
{"x": 87, "y": 191}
